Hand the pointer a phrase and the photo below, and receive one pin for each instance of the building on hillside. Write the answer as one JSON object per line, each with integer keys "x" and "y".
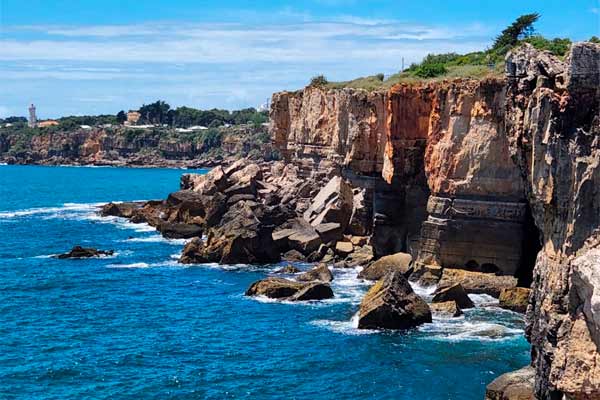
{"x": 133, "y": 117}
{"x": 47, "y": 124}
{"x": 32, "y": 117}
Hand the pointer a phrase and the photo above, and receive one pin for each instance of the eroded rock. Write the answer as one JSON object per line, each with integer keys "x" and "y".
{"x": 392, "y": 304}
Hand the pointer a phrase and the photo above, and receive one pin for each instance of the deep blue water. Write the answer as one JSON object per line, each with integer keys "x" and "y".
{"x": 139, "y": 326}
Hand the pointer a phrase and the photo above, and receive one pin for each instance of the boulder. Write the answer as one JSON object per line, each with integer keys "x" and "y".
{"x": 124, "y": 210}
{"x": 207, "y": 184}
{"x": 478, "y": 282}
{"x": 319, "y": 254}
{"x": 453, "y": 293}
{"x": 360, "y": 218}
{"x": 426, "y": 275}
{"x": 313, "y": 291}
{"x": 293, "y": 255}
{"x": 285, "y": 289}
{"x": 288, "y": 269}
{"x": 343, "y": 248}
{"x": 193, "y": 252}
{"x": 446, "y": 309}
{"x": 360, "y": 256}
{"x": 396, "y": 262}
{"x": 318, "y": 273}
{"x": 244, "y": 236}
{"x": 332, "y": 204}
{"x": 329, "y": 232}
{"x": 515, "y": 299}
{"x": 305, "y": 241}
{"x": 392, "y": 304}
{"x": 83, "y": 252}
{"x": 179, "y": 230}
{"x": 516, "y": 385}
{"x": 275, "y": 288}
{"x": 359, "y": 240}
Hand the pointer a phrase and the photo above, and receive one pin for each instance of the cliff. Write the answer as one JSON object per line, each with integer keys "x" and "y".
{"x": 119, "y": 146}
{"x": 497, "y": 175}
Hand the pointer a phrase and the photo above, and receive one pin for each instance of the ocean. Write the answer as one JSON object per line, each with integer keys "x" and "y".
{"x": 137, "y": 325}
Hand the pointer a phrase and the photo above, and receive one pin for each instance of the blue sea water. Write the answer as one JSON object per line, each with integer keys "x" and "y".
{"x": 139, "y": 326}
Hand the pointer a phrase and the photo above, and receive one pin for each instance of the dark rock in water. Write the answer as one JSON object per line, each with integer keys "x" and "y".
{"x": 124, "y": 210}
{"x": 392, "y": 304}
{"x": 285, "y": 289}
{"x": 179, "y": 230}
{"x": 319, "y": 273}
{"x": 288, "y": 269}
{"x": 453, "y": 293}
{"x": 396, "y": 262}
{"x": 82, "y": 252}
{"x": 193, "y": 252}
{"x": 275, "y": 288}
{"x": 314, "y": 291}
{"x": 293, "y": 255}
{"x": 516, "y": 385}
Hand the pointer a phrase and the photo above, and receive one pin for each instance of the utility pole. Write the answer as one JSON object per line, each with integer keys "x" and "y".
{"x": 402, "y": 70}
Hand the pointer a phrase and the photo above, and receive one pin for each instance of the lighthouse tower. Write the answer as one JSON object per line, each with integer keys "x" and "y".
{"x": 32, "y": 117}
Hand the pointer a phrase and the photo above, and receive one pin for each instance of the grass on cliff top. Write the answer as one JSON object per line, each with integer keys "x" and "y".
{"x": 375, "y": 82}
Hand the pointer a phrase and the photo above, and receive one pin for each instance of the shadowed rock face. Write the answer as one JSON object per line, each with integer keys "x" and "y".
{"x": 462, "y": 172}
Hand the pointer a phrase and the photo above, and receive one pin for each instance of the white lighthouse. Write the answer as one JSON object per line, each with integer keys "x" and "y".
{"x": 32, "y": 117}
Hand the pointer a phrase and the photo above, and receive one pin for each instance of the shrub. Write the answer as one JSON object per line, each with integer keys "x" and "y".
{"x": 430, "y": 70}
{"x": 319, "y": 80}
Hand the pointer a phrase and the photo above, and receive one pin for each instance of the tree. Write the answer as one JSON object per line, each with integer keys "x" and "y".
{"x": 121, "y": 117}
{"x": 594, "y": 39}
{"x": 155, "y": 113}
{"x": 521, "y": 28}
{"x": 319, "y": 80}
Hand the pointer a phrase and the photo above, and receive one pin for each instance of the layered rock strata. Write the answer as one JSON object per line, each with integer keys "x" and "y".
{"x": 491, "y": 176}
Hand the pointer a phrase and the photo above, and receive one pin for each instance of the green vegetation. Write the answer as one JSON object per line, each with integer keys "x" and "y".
{"x": 318, "y": 80}
{"x": 476, "y": 65}
{"x": 161, "y": 113}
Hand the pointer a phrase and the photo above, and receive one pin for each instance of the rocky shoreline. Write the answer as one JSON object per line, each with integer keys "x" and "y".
{"x": 476, "y": 187}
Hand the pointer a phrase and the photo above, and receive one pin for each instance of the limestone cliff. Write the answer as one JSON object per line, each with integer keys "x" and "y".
{"x": 482, "y": 175}
{"x": 553, "y": 125}
{"x": 158, "y": 146}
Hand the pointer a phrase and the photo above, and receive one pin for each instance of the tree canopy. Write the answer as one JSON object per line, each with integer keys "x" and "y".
{"x": 520, "y": 29}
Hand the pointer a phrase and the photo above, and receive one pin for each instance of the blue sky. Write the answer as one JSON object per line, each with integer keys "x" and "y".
{"x": 74, "y": 57}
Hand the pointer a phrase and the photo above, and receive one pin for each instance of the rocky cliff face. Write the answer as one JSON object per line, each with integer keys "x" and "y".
{"x": 122, "y": 146}
{"x": 553, "y": 125}
{"x": 475, "y": 175}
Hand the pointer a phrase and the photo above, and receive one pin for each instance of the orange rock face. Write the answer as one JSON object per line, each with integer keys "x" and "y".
{"x": 344, "y": 126}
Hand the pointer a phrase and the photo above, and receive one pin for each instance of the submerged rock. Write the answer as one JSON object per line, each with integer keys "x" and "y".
{"x": 124, "y": 210}
{"x": 454, "y": 293}
{"x": 288, "y": 269}
{"x": 396, "y": 262}
{"x": 83, "y": 252}
{"x": 392, "y": 304}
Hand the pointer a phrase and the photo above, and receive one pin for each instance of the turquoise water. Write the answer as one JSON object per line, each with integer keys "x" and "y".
{"x": 139, "y": 326}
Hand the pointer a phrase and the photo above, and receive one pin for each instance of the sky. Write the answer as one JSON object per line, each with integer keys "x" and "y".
{"x": 81, "y": 57}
